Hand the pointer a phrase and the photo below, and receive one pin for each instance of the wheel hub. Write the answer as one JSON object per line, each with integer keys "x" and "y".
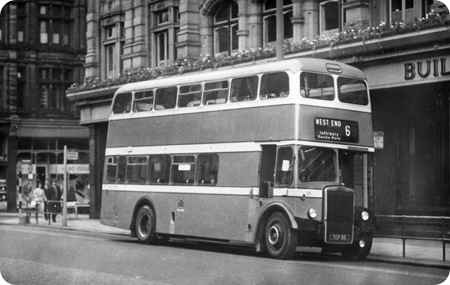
{"x": 274, "y": 235}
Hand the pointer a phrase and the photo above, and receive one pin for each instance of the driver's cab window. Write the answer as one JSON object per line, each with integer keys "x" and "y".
{"x": 316, "y": 164}
{"x": 285, "y": 163}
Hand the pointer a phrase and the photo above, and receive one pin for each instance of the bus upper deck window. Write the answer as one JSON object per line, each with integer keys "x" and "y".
{"x": 317, "y": 86}
{"x": 274, "y": 85}
{"x": 190, "y": 95}
{"x": 244, "y": 89}
{"x": 143, "y": 101}
{"x": 215, "y": 93}
{"x": 353, "y": 91}
{"x": 166, "y": 98}
{"x": 122, "y": 103}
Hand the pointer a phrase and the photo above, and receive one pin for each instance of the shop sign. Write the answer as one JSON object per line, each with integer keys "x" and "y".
{"x": 410, "y": 72}
{"x": 27, "y": 167}
{"x": 427, "y": 68}
{"x": 71, "y": 168}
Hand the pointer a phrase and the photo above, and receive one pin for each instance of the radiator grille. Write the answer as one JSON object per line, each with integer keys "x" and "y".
{"x": 339, "y": 215}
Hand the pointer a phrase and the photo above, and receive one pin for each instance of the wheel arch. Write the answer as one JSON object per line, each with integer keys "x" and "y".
{"x": 141, "y": 202}
{"x": 264, "y": 216}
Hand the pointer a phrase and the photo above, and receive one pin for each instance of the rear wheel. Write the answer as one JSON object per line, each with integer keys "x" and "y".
{"x": 145, "y": 225}
{"x": 280, "y": 237}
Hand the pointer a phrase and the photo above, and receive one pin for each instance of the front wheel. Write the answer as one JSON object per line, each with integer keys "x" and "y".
{"x": 145, "y": 225}
{"x": 280, "y": 237}
{"x": 355, "y": 252}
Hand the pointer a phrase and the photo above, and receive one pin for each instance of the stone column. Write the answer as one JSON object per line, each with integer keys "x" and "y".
{"x": 206, "y": 35}
{"x": 311, "y": 16}
{"x": 189, "y": 43}
{"x": 243, "y": 32}
{"x": 255, "y": 25}
{"x": 297, "y": 20}
{"x": 92, "y": 39}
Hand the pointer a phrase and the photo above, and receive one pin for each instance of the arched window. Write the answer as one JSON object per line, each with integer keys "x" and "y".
{"x": 270, "y": 20}
{"x": 225, "y": 28}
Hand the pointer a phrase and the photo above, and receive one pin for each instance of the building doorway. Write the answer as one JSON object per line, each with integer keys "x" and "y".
{"x": 412, "y": 170}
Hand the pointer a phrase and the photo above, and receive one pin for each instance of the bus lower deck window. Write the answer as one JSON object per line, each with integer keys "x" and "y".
{"x": 183, "y": 169}
{"x": 159, "y": 169}
{"x": 207, "y": 169}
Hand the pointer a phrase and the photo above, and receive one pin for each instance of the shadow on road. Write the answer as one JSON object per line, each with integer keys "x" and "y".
{"x": 235, "y": 249}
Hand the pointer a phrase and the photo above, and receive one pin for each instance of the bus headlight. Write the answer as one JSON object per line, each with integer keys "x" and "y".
{"x": 312, "y": 213}
{"x": 364, "y": 215}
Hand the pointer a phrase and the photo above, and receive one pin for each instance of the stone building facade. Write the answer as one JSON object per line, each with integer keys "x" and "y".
{"x": 402, "y": 46}
{"x": 42, "y": 48}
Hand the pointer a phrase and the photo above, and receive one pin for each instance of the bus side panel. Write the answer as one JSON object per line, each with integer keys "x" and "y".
{"x": 238, "y": 125}
{"x": 308, "y": 114}
{"x": 211, "y": 216}
{"x": 196, "y": 215}
{"x": 107, "y": 208}
{"x": 117, "y": 208}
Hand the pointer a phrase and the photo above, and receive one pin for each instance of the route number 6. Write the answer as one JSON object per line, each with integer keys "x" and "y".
{"x": 347, "y": 131}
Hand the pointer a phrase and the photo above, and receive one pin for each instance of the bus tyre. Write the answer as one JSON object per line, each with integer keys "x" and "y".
{"x": 355, "y": 252}
{"x": 145, "y": 225}
{"x": 280, "y": 237}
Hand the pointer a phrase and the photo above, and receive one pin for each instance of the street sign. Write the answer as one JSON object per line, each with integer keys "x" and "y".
{"x": 72, "y": 155}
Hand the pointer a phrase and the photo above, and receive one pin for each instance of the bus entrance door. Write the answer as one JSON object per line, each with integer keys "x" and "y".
{"x": 267, "y": 171}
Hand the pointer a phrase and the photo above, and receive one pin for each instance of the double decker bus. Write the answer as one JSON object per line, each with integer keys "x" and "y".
{"x": 273, "y": 155}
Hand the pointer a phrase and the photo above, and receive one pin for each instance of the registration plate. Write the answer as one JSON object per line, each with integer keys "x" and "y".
{"x": 339, "y": 237}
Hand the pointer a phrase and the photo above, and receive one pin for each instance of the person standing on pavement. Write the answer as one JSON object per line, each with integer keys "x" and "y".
{"x": 47, "y": 190}
{"x": 56, "y": 208}
{"x": 39, "y": 198}
{"x": 53, "y": 199}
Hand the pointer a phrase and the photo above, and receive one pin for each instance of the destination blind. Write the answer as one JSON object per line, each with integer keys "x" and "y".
{"x": 336, "y": 130}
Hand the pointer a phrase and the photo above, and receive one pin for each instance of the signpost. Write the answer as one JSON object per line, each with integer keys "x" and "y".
{"x": 71, "y": 168}
{"x": 64, "y": 220}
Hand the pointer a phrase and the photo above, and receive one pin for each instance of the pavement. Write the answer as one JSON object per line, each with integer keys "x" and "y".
{"x": 390, "y": 250}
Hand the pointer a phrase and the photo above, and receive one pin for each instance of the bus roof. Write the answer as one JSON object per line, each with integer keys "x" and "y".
{"x": 293, "y": 65}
